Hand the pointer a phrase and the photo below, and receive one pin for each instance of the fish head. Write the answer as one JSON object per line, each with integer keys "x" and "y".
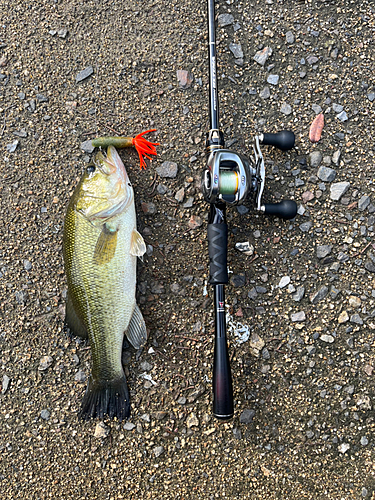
{"x": 105, "y": 189}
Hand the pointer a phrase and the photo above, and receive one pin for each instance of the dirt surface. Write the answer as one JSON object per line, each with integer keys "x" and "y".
{"x": 304, "y": 379}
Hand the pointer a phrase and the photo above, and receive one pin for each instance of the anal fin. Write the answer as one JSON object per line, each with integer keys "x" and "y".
{"x": 137, "y": 332}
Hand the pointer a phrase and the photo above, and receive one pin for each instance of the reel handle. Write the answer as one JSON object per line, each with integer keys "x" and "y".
{"x": 283, "y": 140}
{"x": 286, "y": 209}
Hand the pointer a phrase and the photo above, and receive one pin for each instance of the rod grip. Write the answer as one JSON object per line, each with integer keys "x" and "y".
{"x": 217, "y": 235}
{"x": 222, "y": 381}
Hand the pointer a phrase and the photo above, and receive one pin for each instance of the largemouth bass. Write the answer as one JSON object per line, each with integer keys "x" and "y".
{"x": 100, "y": 246}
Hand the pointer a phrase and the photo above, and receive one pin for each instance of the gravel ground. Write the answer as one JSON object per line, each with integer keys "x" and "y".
{"x": 301, "y": 308}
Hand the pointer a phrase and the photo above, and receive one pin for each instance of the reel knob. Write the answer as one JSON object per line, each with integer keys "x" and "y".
{"x": 286, "y": 209}
{"x": 283, "y": 140}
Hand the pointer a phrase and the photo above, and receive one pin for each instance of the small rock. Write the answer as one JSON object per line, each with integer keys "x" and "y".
{"x": 337, "y": 108}
{"x": 247, "y": 416}
{"x": 146, "y": 366}
{"x": 343, "y": 117}
{"x": 306, "y": 226}
{"x": 245, "y": 248}
{"x": 317, "y": 110}
{"x": 343, "y": 317}
{"x": 44, "y": 363}
{"x": 334, "y": 292}
{"x": 45, "y": 414}
{"x": 256, "y": 344}
{"x": 195, "y": 222}
{"x": 168, "y": 169}
{"x": 356, "y": 318}
{"x": 307, "y": 196}
{"x": 299, "y": 294}
{"x": 27, "y": 265}
{"x": 42, "y": 98}
{"x": 5, "y": 384}
{"x": 80, "y": 376}
{"x": 286, "y": 109}
{"x": 185, "y": 79}
{"x": 236, "y": 50}
{"x": 189, "y": 202}
{"x": 354, "y": 301}
{"x": 12, "y": 147}
{"x": 327, "y": 338}
{"x": 312, "y": 60}
{"x": 298, "y": 317}
{"x": 262, "y": 55}
{"x": 363, "y": 203}
{"x": 265, "y": 93}
{"x": 289, "y": 37}
{"x": 315, "y": 159}
{"x": 179, "y": 196}
{"x": 238, "y": 280}
{"x": 158, "y": 451}
{"x": 336, "y": 157}
{"x": 63, "y": 33}
{"x": 369, "y": 266}
{"x": 326, "y": 174}
{"x": 364, "y": 441}
{"x": 87, "y": 147}
{"x": 85, "y": 73}
{"x": 285, "y": 280}
{"x": 21, "y": 297}
{"x": 197, "y": 393}
{"x": 273, "y": 79}
{"x": 363, "y": 402}
{"x": 319, "y": 295}
{"x": 149, "y": 208}
{"x": 323, "y": 250}
{"x": 371, "y": 96}
{"x": 338, "y": 190}
{"x": 192, "y": 421}
{"x": 20, "y": 133}
{"x": 368, "y": 369}
{"x": 129, "y": 426}
{"x": 225, "y": 20}
{"x": 344, "y": 447}
{"x": 101, "y": 430}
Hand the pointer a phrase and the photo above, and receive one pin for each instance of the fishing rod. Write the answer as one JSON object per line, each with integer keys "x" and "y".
{"x": 229, "y": 179}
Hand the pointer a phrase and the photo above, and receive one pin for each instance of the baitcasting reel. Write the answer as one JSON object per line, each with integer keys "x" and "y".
{"x": 230, "y": 178}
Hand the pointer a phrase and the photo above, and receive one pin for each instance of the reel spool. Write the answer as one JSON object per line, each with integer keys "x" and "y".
{"x": 227, "y": 178}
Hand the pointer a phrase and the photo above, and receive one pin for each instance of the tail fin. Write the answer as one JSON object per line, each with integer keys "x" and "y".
{"x": 106, "y": 397}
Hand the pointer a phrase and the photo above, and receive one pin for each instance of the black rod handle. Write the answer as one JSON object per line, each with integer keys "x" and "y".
{"x": 286, "y": 209}
{"x": 283, "y": 140}
{"x": 222, "y": 375}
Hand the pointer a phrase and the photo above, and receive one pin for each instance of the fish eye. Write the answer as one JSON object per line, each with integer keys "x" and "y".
{"x": 90, "y": 169}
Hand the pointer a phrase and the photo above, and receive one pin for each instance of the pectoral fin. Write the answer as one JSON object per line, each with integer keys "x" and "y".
{"x": 72, "y": 320}
{"x": 137, "y": 246}
{"x": 136, "y": 332}
{"x": 106, "y": 245}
